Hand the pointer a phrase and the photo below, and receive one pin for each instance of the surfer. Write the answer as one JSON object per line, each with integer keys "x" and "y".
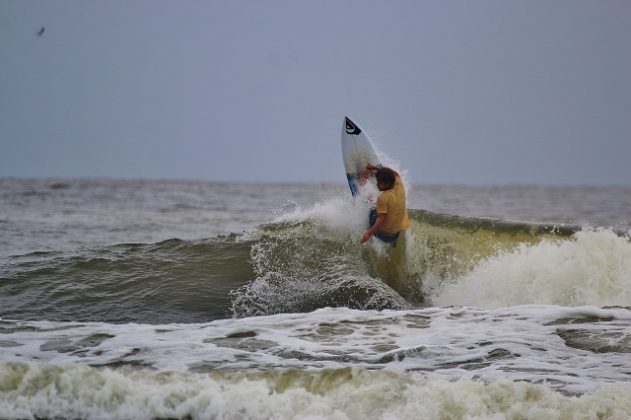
{"x": 391, "y": 215}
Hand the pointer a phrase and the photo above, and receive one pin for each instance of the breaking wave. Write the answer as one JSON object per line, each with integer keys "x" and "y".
{"x": 310, "y": 258}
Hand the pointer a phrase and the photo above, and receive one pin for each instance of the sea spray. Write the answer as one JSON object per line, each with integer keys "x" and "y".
{"x": 308, "y": 260}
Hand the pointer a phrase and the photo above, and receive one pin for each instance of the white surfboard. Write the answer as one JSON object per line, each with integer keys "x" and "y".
{"x": 357, "y": 152}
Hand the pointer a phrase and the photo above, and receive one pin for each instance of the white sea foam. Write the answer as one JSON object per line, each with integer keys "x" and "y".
{"x": 69, "y": 391}
{"x": 590, "y": 268}
{"x": 576, "y": 349}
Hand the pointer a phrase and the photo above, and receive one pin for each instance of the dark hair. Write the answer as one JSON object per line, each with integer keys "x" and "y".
{"x": 386, "y": 175}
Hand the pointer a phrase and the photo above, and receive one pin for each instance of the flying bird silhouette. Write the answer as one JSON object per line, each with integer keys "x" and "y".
{"x": 41, "y": 31}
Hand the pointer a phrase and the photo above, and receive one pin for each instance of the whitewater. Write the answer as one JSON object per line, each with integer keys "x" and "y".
{"x": 191, "y": 299}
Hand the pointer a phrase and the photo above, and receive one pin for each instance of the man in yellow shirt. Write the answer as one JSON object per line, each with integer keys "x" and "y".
{"x": 391, "y": 214}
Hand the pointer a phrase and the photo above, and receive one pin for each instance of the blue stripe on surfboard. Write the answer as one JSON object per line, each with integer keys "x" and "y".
{"x": 352, "y": 183}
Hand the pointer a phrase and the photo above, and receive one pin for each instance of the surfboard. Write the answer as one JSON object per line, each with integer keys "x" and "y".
{"x": 357, "y": 152}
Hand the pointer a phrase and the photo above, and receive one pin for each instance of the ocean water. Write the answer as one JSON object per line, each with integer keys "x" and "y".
{"x": 182, "y": 299}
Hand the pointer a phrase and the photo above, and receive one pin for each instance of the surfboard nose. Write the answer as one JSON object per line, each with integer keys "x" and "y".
{"x": 351, "y": 127}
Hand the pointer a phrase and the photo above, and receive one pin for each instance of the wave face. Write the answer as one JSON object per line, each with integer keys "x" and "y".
{"x": 170, "y": 281}
{"x": 309, "y": 259}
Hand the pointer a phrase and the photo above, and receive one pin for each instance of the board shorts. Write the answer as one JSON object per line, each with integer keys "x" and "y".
{"x": 385, "y": 237}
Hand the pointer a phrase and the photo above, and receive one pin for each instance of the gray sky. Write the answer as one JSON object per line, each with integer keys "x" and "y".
{"x": 479, "y": 92}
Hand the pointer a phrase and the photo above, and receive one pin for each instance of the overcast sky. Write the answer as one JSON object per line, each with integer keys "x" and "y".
{"x": 479, "y": 92}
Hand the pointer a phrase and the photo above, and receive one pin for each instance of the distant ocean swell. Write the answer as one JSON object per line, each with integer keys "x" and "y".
{"x": 309, "y": 260}
{"x": 44, "y": 390}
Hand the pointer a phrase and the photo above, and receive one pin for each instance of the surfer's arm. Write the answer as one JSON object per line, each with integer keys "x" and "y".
{"x": 381, "y": 219}
{"x": 370, "y": 168}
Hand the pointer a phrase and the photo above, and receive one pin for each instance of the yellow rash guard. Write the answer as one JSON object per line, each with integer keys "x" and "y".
{"x": 392, "y": 203}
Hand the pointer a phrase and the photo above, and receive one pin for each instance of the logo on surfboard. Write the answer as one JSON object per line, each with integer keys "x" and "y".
{"x": 351, "y": 128}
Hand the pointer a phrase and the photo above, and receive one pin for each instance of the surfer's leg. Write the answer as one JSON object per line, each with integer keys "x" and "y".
{"x": 397, "y": 275}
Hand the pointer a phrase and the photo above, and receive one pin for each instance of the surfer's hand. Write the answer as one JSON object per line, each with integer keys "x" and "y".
{"x": 365, "y": 237}
{"x": 364, "y": 176}
{"x": 367, "y": 173}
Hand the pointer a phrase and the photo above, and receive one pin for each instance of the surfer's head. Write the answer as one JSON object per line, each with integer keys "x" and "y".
{"x": 385, "y": 178}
